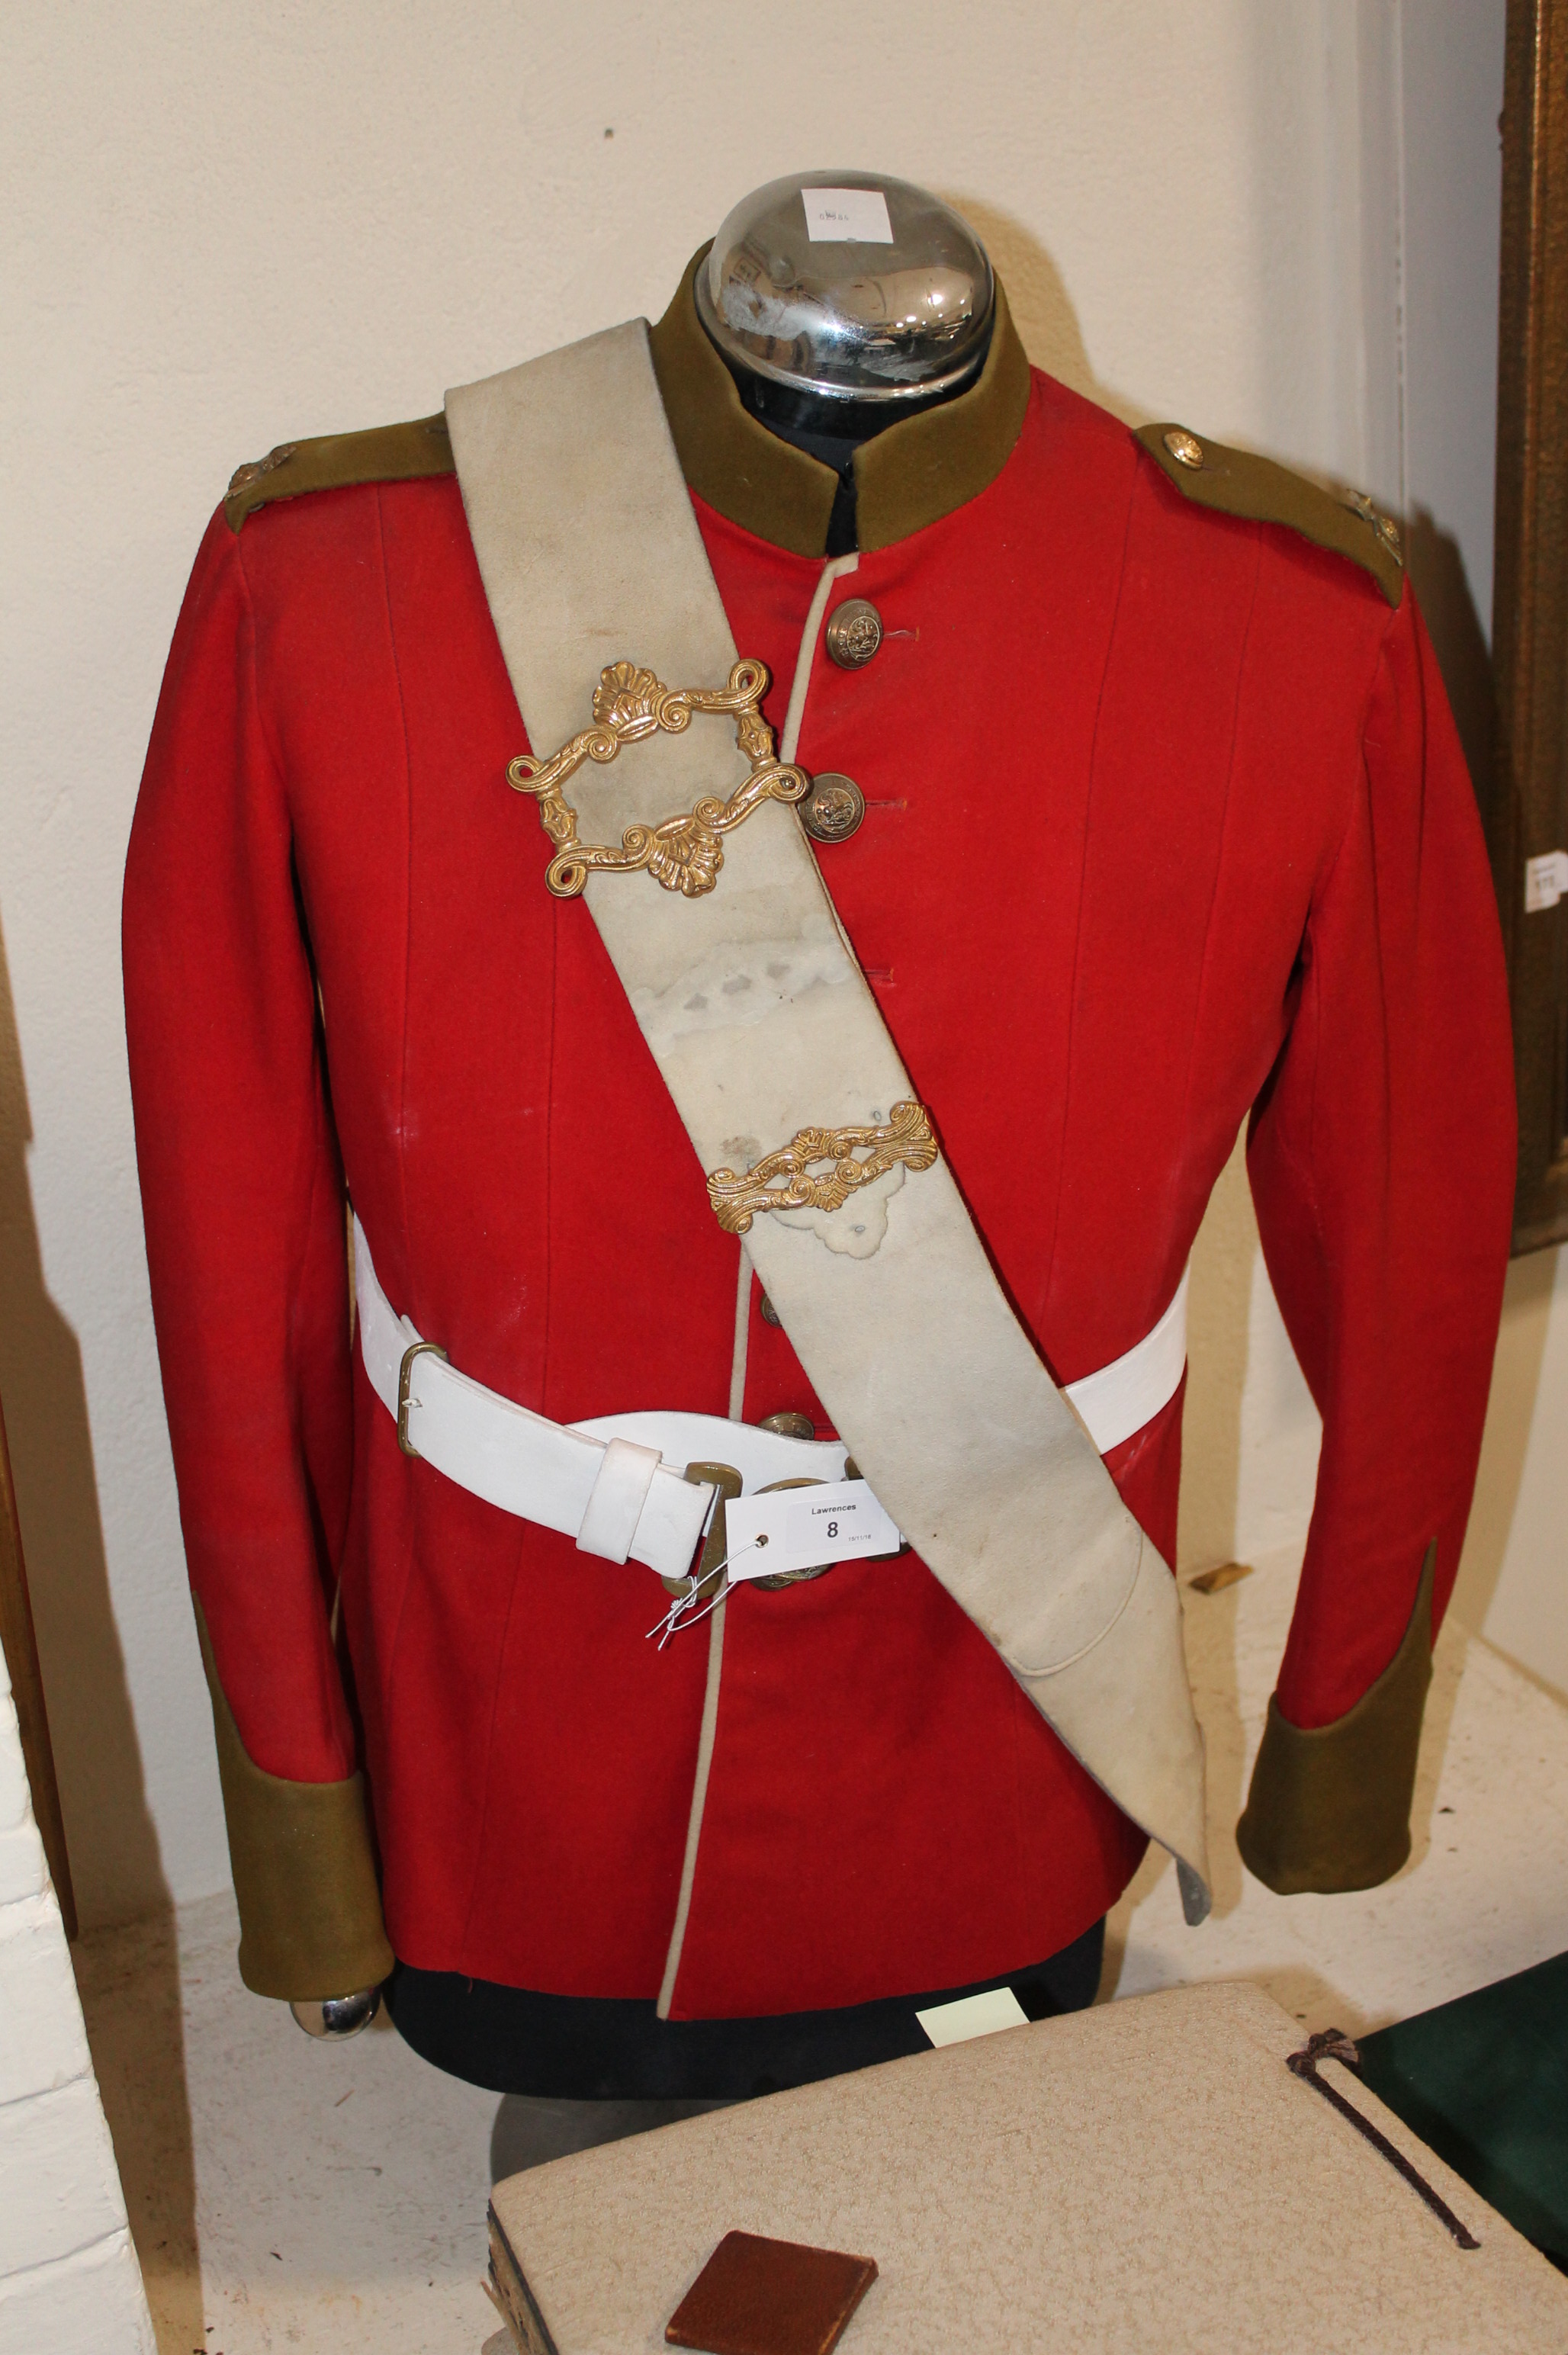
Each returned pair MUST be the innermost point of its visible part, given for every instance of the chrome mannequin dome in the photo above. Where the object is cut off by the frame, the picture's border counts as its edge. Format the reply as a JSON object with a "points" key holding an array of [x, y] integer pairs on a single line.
{"points": [[814, 293]]}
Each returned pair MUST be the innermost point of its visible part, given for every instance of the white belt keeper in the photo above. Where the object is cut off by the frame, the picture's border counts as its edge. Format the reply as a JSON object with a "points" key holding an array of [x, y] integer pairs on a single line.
{"points": [[616, 1499]]}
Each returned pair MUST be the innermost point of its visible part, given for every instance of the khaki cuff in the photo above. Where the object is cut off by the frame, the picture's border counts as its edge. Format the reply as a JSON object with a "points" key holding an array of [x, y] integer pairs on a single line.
{"points": [[305, 1872], [1329, 1805]]}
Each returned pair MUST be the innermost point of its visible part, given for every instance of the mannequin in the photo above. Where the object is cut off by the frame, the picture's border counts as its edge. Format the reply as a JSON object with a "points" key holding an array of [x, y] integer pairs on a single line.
{"points": [[1144, 817], [831, 341]]}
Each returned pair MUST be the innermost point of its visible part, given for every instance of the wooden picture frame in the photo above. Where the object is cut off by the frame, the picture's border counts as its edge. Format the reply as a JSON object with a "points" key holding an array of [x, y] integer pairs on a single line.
{"points": [[1529, 817]]}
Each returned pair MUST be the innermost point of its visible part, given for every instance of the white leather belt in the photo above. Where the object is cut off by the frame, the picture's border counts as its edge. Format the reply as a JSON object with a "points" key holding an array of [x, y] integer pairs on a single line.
{"points": [[616, 1485]]}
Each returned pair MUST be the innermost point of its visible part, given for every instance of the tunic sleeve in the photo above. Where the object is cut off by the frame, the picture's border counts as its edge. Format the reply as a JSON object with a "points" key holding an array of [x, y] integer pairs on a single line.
{"points": [[243, 1204], [1382, 1159]]}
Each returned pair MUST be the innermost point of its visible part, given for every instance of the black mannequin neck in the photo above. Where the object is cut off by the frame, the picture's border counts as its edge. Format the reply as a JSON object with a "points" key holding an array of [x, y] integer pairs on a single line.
{"points": [[831, 430]]}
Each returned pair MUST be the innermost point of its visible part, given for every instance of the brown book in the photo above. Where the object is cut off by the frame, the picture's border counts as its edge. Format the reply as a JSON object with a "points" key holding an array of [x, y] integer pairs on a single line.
{"points": [[757, 2296]]}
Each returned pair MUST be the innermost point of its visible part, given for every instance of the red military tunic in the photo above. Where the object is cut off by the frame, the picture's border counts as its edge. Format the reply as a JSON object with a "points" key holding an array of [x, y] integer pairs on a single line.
{"points": [[1167, 824]]}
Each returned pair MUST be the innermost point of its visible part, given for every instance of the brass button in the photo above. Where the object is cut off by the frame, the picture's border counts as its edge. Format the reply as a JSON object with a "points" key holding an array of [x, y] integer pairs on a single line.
{"points": [[1185, 448], [853, 633], [770, 1314], [834, 807], [790, 1425], [243, 477]]}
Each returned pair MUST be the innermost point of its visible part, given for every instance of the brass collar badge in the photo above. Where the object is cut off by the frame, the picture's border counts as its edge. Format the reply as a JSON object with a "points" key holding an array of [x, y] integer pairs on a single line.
{"points": [[783, 1181], [683, 853], [1384, 526]]}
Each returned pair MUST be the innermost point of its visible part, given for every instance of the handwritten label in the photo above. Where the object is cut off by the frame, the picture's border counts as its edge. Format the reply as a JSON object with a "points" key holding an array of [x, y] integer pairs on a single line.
{"points": [[846, 214], [796, 1529], [1545, 881]]}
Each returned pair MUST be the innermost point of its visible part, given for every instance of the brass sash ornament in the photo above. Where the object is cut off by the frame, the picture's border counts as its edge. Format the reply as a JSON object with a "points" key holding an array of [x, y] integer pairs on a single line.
{"points": [[683, 853], [783, 1181]]}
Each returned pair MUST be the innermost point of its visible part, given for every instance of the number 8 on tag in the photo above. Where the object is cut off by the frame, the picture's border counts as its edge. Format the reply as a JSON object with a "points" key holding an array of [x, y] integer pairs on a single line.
{"points": [[796, 1529]]}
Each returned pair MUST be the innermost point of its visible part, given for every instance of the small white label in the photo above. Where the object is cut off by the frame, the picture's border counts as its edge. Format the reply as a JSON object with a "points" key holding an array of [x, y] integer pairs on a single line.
{"points": [[846, 214], [796, 1529], [1545, 881], [973, 2015]]}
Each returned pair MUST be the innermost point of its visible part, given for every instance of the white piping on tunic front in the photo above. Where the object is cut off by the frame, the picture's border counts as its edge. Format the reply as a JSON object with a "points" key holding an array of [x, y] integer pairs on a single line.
{"points": [[800, 686], [794, 715], [743, 1334]]}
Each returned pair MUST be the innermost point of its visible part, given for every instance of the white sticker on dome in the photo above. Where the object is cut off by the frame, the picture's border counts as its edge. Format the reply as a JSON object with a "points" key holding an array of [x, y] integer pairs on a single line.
{"points": [[860, 213]]}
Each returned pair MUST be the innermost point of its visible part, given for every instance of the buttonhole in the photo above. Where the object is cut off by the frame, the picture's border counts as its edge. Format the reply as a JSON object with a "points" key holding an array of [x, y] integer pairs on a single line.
{"points": [[887, 802], [878, 971]]}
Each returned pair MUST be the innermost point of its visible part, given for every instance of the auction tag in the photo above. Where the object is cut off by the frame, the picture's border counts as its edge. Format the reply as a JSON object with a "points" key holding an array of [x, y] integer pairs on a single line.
{"points": [[796, 1529], [860, 213], [1545, 880]]}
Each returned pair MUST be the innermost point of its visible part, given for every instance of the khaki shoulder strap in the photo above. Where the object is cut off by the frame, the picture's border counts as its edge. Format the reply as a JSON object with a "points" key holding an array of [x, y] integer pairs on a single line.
{"points": [[1235, 483], [765, 1030], [334, 461]]}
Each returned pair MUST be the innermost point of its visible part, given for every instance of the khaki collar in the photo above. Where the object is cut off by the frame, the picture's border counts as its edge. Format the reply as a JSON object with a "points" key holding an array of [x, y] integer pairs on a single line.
{"points": [[906, 477]]}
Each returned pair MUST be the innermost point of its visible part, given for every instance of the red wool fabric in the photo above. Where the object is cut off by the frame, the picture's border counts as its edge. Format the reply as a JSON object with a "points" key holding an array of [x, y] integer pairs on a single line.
{"points": [[1167, 824]]}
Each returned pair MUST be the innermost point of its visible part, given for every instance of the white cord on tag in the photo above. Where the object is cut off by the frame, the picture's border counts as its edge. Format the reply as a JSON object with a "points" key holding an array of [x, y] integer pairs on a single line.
{"points": [[673, 1622]]}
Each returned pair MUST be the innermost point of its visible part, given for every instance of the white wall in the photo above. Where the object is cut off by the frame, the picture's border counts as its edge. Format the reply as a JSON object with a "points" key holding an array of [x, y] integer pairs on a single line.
{"points": [[233, 225], [68, 2277]]}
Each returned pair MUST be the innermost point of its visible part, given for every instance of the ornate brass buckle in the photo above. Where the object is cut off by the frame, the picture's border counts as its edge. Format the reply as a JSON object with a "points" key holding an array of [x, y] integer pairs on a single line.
{"points": [[405, 1375], [736, 1195], [683, 853], [775, 1579], [703, 1583]]}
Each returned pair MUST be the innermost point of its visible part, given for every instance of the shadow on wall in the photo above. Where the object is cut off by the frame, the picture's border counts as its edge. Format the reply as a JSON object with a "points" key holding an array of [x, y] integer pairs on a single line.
{"points": [[1436, 572], [1510, 1411], [1037, 297], [109, 1833], [129, 1981]]}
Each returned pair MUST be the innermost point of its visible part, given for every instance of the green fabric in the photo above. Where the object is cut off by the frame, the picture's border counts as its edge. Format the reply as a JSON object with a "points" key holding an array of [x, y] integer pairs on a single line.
{"points": [[336, 462], [907, 476], [1330, 1805], [304, 1871], [1484, 2082], [1235, 483]]}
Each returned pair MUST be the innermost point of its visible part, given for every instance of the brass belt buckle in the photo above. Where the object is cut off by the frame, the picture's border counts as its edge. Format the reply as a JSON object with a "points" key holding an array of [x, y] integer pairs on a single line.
{"points": [[703, 1583], [405, 1375], [704, 1579], [683, 853], [794, 1577]]}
